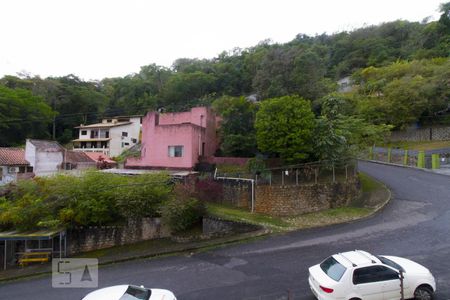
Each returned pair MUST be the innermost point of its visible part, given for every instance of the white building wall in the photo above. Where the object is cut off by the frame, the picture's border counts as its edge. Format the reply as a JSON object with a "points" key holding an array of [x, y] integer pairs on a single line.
{"points": [[48, 163], [30, 154], [6, 177], [118, 142]]}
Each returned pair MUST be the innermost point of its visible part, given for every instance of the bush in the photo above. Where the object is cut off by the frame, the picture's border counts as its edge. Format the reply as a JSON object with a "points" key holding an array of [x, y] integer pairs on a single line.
{"points": [[209, 190], [182, 211], [93, 199]]}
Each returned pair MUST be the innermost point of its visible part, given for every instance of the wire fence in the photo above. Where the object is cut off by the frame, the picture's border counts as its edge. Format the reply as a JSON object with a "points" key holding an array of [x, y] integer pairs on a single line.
{"points": [[308, 173]]}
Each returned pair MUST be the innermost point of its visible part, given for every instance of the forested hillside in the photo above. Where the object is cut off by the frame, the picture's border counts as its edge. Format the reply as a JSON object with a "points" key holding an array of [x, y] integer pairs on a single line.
{"points": [[401, 68]]}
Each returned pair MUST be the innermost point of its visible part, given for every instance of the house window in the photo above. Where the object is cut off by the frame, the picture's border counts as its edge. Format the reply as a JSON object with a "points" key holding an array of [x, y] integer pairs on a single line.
{"points": [[104, 144], [83, 144], [125, 134], [109, 120], [83, 132], [93, 144], [107, 134], [175, 151], [134, 141]]}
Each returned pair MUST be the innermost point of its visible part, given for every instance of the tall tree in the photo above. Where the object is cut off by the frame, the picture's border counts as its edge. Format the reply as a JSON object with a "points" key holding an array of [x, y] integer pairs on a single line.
{"points": [[284, 127], [22, 116], [237, 132]]}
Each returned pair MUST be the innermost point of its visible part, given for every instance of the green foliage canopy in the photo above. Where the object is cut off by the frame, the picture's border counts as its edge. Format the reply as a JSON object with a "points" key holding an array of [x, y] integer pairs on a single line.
{"points": [[284, 127]]}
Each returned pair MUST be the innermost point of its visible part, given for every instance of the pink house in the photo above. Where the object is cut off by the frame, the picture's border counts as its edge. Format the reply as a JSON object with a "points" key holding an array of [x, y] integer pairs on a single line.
{"points": [[176, 140]]}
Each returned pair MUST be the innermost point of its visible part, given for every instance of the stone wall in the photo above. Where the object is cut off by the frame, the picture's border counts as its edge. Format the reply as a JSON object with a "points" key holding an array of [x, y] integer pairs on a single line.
{"points": [[291, 200], [217, 226], [238, 195], [422, 134], [84, 239]]}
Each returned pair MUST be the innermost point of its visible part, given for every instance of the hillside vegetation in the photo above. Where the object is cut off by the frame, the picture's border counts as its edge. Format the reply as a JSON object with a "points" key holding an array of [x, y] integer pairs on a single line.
{"points": [[401, 67]]}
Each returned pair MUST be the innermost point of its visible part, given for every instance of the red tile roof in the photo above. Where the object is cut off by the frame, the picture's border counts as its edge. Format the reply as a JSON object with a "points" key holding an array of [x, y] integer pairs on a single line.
{"points": [[97, 156], [12, 157]]}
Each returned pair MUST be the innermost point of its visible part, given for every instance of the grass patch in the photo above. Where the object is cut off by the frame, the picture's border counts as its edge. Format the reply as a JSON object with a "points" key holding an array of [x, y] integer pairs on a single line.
{"points": [[236, 214], [419, 145], [328, 217]]}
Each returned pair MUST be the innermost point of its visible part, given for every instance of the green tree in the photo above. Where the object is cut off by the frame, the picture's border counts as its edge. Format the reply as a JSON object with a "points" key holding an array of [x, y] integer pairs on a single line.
{"points": [[237, 132], [284, 127], [22, 116]]}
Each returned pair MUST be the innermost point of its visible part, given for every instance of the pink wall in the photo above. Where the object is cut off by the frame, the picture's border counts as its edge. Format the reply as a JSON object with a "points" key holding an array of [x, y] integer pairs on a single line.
{"points": [[187, 129]]}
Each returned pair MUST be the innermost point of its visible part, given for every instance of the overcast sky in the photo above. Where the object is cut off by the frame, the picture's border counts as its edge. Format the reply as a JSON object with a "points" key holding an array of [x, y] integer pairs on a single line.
{"points": [[94, 39]]}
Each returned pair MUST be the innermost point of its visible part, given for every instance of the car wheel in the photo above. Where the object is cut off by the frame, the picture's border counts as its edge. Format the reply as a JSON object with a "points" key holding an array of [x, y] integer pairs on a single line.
{"points": [[423, 293]]}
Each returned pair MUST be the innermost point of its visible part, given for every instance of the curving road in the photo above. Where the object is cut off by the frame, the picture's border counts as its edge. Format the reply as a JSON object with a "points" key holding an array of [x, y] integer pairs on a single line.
{"points": [[415, 224]]}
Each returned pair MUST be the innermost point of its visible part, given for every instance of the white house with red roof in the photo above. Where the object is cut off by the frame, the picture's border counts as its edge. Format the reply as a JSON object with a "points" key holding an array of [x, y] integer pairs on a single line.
{"points": [[13, 165]]}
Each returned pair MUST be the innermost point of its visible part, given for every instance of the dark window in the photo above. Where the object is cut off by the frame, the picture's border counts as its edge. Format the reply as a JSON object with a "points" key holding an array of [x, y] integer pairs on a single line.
{"points": [[333, 268], [104, 144], [134, 141], [109, 120], [22, 169], [29, 169], [124, 133], [107, 134], [136, 293], [373, 274], [175, 151], [83, 132], [93, 144], [127, 144], [83, 144], [390, 263]]}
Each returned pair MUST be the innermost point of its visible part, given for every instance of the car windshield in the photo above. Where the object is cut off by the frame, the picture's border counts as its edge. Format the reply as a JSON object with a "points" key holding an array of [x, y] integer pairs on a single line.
{"points": [[136, 293], [333, 268], [390, 263]]}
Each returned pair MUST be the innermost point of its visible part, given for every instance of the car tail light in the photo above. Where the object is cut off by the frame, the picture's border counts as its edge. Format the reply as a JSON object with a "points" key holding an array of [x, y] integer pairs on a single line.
{"points": [[326, 290]]}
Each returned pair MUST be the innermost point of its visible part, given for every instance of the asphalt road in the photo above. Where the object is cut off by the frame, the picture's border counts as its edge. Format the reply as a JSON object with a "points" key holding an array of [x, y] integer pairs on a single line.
{"points": [[415, 224]]}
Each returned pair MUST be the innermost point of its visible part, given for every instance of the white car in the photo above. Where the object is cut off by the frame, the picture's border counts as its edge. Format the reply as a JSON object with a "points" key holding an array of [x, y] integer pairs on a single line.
{"points": [[361, 275], [129, 292]]}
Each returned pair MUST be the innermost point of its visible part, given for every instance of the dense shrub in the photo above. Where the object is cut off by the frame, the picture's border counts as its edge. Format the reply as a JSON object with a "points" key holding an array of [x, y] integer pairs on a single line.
{"points": [[93, 199], [182, 211], [209, 190]]}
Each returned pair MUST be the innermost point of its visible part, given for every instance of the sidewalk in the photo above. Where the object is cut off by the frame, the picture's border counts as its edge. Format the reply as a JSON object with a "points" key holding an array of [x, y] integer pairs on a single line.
{"points": [[145, 249]]}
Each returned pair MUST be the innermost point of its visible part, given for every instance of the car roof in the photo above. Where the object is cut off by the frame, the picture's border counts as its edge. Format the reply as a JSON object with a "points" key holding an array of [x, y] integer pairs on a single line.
{"points": [[356, 258]]}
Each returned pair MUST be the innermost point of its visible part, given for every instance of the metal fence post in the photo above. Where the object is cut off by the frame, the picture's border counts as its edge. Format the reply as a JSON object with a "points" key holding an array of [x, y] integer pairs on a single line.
{"points": [[435, 163], [421, 159], [282, 177]]}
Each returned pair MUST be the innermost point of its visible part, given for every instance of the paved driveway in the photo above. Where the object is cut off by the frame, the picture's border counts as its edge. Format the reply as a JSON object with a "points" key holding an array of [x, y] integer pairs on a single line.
{"points": [[416, 224]]}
